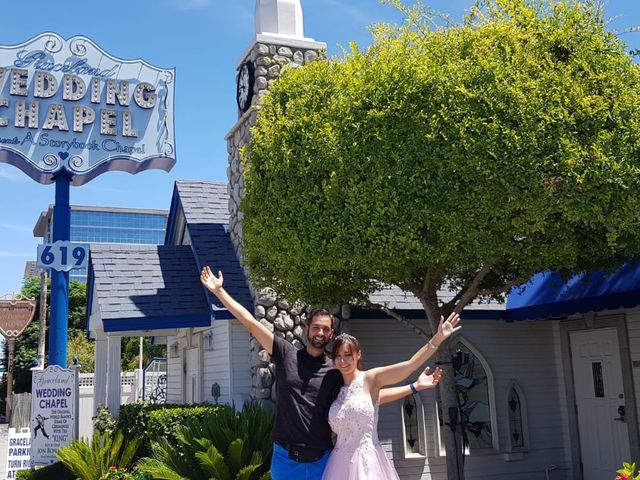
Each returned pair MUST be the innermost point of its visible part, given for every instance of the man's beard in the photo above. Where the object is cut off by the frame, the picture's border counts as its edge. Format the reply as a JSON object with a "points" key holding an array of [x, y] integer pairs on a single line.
{"points": [[318, 343]]}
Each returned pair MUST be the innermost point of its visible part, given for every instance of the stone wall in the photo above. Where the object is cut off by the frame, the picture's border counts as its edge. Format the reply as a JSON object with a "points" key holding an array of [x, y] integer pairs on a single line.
{"points": [[287, 322]]}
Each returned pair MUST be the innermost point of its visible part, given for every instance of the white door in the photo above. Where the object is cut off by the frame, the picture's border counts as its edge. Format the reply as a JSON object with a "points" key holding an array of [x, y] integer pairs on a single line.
{"points": [[597, 375], [192, 385]]}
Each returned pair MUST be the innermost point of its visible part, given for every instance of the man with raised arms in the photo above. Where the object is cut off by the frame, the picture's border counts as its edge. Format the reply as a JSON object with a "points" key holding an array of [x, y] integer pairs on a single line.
{"points": [[306, 385]]}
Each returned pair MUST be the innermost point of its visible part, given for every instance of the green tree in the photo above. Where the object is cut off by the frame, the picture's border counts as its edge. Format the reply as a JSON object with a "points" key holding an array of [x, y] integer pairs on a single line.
{"points": [[81, 348], [25, 355], [465, 157], [131, 352], [26, 349]]}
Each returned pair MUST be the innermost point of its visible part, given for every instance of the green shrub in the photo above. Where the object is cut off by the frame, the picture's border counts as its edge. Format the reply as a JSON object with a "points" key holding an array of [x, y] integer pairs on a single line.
{"points": [[225, 446], [123, 474], [628, 472], [90, 461], [104, 421], [150, 422], [56, 470]]}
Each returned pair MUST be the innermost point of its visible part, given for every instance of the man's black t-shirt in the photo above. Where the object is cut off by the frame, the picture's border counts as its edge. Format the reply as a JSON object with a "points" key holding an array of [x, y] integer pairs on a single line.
{"points": [[306, 386]]}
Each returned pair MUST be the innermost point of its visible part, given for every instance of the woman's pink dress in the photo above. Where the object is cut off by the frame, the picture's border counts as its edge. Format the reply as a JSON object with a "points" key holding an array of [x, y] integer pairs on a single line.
{"points": [[358, 454]]}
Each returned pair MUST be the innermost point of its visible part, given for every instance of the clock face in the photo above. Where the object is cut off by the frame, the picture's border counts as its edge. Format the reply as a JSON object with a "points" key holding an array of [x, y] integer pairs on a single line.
{"points": [[244, 87]]}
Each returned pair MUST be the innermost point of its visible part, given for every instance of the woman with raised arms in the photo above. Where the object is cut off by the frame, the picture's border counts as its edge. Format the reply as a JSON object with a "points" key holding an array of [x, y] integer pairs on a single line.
{"points": [[353, 416]]}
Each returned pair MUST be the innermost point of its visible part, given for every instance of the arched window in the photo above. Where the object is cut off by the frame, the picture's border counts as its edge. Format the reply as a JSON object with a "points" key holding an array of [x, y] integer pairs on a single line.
{"points": [[476, 400], [517, 415], [413, 427]]}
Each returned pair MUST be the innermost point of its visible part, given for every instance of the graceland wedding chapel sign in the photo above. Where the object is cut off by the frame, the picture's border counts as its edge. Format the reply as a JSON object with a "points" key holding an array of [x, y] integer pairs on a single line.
{"points": [[66, 104], [54, 412], [68, 113]]}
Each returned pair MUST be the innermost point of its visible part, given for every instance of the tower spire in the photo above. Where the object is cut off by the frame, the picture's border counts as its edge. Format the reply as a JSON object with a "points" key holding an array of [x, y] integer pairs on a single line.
{"points": [[279, 18]]}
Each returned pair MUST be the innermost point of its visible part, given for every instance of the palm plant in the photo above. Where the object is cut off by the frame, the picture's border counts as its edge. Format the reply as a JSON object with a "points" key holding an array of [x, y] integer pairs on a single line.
{"points": [[227, 446], [91, 460]]}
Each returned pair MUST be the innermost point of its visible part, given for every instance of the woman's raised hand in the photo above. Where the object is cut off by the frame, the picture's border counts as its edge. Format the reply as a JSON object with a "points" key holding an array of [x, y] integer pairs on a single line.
{"points": [[448, 327], [426, 380]]}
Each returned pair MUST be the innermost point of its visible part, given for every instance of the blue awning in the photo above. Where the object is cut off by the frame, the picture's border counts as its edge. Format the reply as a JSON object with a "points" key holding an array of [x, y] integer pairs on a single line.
{"points": [[547, 295]]}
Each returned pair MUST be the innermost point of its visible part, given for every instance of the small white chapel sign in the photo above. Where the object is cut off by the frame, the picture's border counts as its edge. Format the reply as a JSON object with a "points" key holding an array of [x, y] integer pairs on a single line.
{"points": [[53, 412]]}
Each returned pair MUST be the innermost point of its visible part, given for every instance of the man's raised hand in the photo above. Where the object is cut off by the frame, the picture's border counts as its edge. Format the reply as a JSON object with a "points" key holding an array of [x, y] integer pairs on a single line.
{"points": [[210, 281]]}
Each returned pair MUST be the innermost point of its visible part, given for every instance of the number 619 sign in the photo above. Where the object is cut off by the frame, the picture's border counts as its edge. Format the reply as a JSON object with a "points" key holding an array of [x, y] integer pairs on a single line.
{"points": [[63, 256]]}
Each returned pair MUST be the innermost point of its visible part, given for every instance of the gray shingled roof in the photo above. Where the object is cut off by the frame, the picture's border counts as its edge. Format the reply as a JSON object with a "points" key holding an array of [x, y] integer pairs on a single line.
{"points": [[205, 206], [204, 202], [159, 285], [212, 246], [395, 298], [136, 281]]}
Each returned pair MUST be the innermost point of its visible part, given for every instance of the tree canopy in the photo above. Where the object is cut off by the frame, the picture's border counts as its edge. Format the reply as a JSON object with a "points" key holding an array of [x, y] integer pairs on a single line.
{"points": [[465, 157], [26, 347], [471, 155]]}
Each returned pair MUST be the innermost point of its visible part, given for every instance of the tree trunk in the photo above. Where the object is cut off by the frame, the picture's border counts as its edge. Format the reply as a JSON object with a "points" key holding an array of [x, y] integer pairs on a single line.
{"points": [[450, 415], [453, 439]]}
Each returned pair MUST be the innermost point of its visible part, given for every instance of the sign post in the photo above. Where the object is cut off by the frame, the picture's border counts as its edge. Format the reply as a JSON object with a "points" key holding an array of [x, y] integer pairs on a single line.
{"points": [[69, 112], [60, 279], [15, 314]]}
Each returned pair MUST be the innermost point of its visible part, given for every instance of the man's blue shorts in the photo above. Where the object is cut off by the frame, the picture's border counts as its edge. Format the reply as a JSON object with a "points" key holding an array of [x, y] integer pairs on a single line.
{"points": [[285, 468]]}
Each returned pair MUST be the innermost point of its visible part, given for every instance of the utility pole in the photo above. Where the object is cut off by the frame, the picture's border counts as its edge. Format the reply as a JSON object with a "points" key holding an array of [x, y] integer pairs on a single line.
{"points": [[43, 316]]}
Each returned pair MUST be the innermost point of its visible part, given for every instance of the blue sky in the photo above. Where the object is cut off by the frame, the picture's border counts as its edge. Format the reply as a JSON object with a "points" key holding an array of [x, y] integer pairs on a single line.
{"points": [[203, 40]]}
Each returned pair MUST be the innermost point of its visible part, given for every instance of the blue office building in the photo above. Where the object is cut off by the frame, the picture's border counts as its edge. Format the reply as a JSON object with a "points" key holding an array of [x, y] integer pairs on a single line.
{"points": [[107, 225]]}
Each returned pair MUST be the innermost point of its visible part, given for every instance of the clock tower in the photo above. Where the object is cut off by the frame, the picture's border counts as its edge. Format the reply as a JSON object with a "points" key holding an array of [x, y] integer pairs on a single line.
{"points": [[279, 41]]}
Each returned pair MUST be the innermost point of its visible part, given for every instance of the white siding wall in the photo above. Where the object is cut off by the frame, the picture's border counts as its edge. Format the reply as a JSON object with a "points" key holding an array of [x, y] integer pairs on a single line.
{"points": [[240, 362], [230, 354], [527, 352], [174, 373], [633, 328], [176, 366], [562, 392], [228, 363], [216, 363]]}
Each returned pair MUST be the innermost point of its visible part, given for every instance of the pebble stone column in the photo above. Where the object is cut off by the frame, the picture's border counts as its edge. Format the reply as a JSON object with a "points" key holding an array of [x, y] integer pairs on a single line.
{"points": [[268, 61], [285, 320]]}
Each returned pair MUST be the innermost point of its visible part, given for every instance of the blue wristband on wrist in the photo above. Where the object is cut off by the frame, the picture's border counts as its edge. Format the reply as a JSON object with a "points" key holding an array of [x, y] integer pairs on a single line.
{"points": [[414, 390]]}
